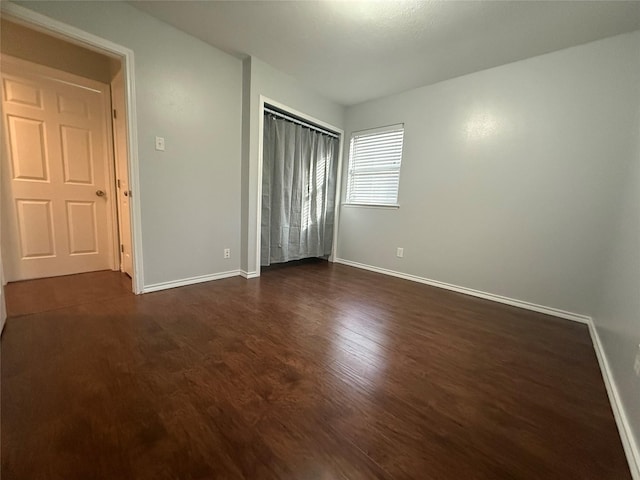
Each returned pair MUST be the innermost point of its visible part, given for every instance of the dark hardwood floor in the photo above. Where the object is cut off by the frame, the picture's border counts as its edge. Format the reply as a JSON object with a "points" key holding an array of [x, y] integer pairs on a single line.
{"points": [[43, 295], [313, 372]]}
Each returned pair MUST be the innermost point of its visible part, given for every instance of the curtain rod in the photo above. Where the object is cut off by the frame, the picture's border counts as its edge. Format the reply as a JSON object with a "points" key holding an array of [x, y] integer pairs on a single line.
{"points": [[300, 122]]}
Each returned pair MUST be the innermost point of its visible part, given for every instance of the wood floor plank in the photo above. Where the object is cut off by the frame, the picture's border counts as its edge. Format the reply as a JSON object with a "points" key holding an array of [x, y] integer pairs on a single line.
{"points": [[315, 371]]}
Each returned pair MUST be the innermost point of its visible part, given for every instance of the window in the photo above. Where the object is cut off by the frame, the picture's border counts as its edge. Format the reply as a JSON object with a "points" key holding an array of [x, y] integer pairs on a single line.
{"points": [[374, 166]]}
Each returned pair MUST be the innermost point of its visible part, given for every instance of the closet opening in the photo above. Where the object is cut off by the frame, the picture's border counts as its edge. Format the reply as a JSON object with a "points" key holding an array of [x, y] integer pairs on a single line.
{"points": [[300, 188]]}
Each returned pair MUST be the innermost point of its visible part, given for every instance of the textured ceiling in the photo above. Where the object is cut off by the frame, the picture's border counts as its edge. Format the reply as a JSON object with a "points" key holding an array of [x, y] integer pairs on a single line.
{"points": [[353, 51]]}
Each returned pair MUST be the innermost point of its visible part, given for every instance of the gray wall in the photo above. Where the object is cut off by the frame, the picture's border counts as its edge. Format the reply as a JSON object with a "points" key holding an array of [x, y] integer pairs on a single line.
{"points": [[617, 314], [262, 79], [27, 44], [191, 94], [507, 176]]}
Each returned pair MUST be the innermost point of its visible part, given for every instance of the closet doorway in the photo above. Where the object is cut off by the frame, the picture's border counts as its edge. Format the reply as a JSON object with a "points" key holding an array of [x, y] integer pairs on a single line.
{"points": [[300, 187]]}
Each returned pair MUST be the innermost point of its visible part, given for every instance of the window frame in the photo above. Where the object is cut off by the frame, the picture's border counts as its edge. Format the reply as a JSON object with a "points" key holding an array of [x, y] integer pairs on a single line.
{"points": [[350, 170]]}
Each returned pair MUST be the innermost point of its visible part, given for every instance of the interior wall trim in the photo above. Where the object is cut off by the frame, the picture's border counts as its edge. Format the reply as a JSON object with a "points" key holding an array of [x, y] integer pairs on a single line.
{"points": [[576, 317], [190, 281], [629, 443], [249, 275]]}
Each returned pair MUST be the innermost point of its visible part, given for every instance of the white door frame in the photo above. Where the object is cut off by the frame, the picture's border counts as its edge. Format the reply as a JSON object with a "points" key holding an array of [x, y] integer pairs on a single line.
{"points": [[319, 123], [61, 30]]}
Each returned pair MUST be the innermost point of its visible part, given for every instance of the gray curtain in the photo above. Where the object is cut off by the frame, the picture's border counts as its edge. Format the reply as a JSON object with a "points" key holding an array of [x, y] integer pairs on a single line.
{"points": [[300, 166]]}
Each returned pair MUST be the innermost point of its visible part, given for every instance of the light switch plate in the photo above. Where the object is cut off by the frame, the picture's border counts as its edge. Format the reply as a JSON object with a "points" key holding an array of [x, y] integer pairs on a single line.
{"points": [[160, 143]]}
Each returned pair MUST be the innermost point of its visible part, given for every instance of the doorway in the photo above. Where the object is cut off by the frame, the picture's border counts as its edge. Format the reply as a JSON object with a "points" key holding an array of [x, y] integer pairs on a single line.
{"points": [[66, 196], [300, 167], [311, 208]]}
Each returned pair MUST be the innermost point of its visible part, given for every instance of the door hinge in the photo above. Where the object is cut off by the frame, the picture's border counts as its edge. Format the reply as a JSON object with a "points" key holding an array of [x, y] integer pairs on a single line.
{"points": [[121, 248], [115, 113], [118, 183]]}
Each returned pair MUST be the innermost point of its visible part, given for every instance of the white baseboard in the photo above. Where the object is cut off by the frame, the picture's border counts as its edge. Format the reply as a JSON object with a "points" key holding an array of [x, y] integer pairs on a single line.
{"points": [[249, 275], [622, 421], [576, 317], [3, 310], [189, 281]]}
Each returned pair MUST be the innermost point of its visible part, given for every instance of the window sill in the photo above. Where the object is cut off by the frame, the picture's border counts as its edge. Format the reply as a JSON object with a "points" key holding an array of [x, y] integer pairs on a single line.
{"points": [[371, 205]]}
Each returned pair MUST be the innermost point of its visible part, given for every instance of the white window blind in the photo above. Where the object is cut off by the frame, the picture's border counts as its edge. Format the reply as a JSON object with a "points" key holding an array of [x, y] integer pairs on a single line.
{"points": [[374, 166]]}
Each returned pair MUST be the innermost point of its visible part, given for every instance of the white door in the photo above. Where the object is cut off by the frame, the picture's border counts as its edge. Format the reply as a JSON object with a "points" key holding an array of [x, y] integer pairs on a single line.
{"points": [[56, 174], [122, 172]]}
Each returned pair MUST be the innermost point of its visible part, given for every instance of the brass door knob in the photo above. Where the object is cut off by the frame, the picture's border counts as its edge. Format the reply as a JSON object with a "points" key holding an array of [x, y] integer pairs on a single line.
{"points": [[100, 193]]}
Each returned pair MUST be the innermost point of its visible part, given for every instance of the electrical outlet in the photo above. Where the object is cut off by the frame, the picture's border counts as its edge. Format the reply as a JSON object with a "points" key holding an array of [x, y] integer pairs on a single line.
{"points": [[636, 364], [227, 253], [160, 144], [400, 252]]}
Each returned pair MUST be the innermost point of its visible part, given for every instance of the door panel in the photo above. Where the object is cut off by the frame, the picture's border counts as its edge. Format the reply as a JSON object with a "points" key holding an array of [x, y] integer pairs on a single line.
{"points": [[27, 144], [59, 158], [83, 234], [35, 227], [22, 93], [73, 106], [77, 155]]}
